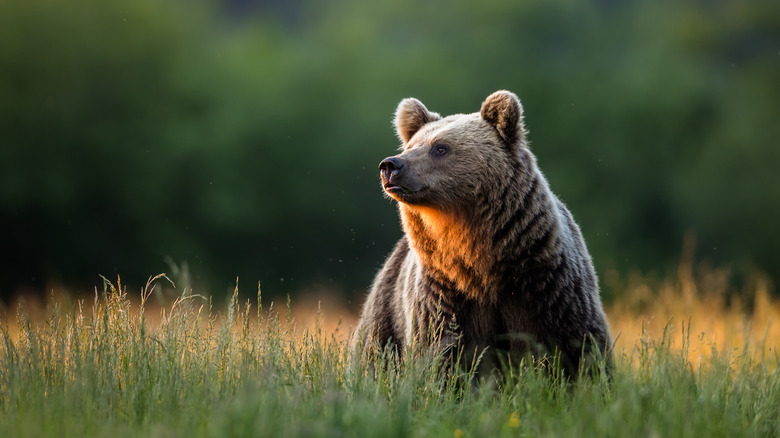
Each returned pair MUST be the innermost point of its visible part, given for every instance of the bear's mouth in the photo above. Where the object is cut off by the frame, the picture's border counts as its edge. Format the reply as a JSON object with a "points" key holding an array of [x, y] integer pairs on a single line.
{"points": [[394, 189], [401, 193]]}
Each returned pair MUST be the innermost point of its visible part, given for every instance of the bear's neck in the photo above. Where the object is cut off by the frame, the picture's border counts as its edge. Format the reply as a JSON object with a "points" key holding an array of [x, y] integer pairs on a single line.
{"points": [[481, 254]]}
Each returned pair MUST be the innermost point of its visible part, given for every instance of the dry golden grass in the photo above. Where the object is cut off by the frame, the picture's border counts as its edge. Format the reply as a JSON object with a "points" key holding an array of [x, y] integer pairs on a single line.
{"points": [[697, 312]]}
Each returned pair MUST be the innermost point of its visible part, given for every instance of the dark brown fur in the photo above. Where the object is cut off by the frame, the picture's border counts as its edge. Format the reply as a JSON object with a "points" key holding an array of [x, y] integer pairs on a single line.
{"points": [[487, 245]]}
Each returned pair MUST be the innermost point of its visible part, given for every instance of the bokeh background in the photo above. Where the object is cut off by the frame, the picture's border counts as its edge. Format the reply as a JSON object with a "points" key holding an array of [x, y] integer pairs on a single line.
{"points": [[241, 138]]}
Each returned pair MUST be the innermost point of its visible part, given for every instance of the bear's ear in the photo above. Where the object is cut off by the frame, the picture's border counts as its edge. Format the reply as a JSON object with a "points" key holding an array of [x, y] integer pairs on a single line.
{"points": [[503, 111], [410, 116]]}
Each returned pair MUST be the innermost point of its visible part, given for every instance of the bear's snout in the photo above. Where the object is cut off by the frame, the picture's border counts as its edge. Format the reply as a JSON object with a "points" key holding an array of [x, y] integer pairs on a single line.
{"points": [[389, 169], [392, 178], [390, 166]]}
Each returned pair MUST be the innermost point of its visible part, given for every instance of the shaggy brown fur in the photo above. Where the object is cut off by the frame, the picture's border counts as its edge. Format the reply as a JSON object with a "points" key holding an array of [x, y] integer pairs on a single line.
{"points": [[487, 245]]}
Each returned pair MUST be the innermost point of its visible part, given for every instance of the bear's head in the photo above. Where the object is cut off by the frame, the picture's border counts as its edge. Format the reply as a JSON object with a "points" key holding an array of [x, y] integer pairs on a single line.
{"points": [[451, 164]]}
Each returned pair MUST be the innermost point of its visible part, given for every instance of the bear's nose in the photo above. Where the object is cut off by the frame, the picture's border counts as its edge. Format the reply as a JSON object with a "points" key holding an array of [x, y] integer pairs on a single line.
{"points": [[391, 166]]}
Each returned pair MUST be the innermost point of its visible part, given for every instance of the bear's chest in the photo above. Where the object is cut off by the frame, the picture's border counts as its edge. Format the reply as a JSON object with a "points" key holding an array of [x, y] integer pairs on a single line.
{"points": [[488, 325]]}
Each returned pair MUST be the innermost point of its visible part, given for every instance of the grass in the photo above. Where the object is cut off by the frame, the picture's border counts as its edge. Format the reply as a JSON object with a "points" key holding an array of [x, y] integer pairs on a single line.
{"points": [[101, 368]]}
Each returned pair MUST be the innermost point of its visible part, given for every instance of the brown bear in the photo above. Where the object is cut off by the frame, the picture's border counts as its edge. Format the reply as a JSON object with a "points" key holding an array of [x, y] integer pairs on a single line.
{"points": [[488, 249]]}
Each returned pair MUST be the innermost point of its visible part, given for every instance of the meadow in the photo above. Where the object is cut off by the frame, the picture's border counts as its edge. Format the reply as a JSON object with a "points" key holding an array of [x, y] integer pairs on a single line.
{"points": [[690, 360]]}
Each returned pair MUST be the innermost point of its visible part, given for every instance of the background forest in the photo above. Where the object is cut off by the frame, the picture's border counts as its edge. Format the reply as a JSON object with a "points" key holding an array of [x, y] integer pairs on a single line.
{"points": [[242, 138]]}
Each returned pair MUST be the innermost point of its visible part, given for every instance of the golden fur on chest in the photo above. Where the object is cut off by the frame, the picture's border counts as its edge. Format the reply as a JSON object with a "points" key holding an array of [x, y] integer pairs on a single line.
{"points": [[450, 250]]}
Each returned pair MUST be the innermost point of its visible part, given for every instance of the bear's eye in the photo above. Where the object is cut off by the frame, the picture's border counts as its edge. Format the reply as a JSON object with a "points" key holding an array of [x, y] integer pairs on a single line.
{"points": [[439, 149]]}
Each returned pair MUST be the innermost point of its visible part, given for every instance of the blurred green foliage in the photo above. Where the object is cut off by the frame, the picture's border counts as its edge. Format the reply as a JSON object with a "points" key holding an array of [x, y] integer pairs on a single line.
{"points": [[246, 145]]}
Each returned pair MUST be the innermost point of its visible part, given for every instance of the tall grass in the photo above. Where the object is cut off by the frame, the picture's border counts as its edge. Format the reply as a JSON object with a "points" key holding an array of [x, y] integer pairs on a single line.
{"points": [[101, 368]]}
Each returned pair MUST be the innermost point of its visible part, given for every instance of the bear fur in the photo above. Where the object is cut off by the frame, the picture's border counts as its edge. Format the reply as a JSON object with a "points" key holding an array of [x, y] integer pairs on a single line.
{"points": [[488, 251]]}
